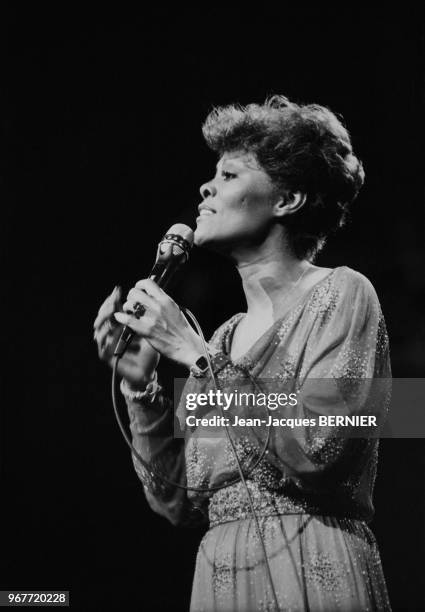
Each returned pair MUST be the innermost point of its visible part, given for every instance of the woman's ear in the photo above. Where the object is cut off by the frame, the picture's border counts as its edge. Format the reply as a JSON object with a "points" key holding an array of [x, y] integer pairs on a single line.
{"points": [[289, 202]]}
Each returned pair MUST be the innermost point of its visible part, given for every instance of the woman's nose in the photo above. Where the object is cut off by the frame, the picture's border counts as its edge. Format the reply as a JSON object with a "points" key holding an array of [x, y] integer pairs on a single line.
{"points": [[208, 190]]}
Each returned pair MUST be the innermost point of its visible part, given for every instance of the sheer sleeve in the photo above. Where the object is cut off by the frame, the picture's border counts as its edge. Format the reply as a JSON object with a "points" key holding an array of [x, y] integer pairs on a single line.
{"points": [[151, 425], [345, 371]]}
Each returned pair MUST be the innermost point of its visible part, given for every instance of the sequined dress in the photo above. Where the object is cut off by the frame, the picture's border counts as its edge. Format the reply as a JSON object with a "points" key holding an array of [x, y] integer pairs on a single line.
{"points": [[312, 494]]}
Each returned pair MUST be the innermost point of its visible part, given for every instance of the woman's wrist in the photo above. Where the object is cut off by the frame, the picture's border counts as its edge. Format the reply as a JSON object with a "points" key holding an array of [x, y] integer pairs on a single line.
{"points": [[140, 385], [192, 354], [147, 392]]}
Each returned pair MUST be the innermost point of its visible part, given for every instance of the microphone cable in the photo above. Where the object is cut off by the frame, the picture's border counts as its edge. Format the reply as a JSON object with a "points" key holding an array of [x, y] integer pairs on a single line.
{"points": [[241, 478]]}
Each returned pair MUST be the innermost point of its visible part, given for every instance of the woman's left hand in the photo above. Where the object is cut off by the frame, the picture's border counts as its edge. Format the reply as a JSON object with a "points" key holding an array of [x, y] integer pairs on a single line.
{"points": [[163, 323]]}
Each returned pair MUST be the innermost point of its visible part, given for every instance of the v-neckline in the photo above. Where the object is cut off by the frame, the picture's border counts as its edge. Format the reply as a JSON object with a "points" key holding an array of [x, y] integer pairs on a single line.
{"points": [[237, 318]]}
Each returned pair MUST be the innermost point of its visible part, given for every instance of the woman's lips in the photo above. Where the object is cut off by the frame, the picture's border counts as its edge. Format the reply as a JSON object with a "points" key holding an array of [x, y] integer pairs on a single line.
{"points": [[205, 212]]}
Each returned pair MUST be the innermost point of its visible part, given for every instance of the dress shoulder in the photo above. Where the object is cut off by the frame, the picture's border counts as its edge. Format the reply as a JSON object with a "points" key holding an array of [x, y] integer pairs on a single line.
{"points": [[355, 281], [353, 290], [348, 335]]}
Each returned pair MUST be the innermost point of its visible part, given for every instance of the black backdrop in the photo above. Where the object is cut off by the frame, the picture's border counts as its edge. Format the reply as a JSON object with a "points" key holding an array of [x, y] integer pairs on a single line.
{"points": [[101, 152]]}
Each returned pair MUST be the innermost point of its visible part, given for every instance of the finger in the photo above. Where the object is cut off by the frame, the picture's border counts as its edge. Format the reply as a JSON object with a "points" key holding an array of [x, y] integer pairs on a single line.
{"points": [[102, 342], [152, 289], [134, 308], [105, 320], [107, 341], [129, 320], [129, 307], [106, 350], [105, 311], [109, 306], [103, 331], [108, 327], [136, 295]]}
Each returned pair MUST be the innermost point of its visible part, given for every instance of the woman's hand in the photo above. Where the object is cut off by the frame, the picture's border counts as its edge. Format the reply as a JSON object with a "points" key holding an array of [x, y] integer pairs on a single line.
{"points": [[163, 325], [140, 360]]}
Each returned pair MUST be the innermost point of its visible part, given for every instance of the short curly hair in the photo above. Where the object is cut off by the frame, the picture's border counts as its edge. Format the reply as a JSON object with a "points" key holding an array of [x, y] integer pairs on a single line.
{"points": [[302, 148]]}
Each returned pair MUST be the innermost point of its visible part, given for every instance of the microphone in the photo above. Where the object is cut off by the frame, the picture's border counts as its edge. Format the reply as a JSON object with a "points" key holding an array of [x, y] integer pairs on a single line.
{"points": [[172, 253]]}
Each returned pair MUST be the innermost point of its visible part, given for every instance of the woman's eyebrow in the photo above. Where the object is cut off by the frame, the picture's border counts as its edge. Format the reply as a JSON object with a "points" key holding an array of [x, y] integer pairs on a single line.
{"points": [[231, 162]]}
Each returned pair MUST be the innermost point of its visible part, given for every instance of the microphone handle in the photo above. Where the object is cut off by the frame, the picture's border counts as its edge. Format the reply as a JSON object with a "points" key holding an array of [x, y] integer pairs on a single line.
{"points": [[161, 274]]}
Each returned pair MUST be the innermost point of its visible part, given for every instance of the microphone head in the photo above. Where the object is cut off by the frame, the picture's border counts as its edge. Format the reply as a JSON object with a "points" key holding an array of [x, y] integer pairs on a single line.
{"points": [[182, 230], [176, 243]]}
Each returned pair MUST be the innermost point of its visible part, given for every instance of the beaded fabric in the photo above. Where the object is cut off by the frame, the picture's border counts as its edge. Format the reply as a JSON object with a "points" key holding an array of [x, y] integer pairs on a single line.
{"points": [[312, 491]]}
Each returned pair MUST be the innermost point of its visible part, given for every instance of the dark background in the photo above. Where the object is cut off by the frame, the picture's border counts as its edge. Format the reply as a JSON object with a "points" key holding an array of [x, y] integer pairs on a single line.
{"points": [[101, 152]]}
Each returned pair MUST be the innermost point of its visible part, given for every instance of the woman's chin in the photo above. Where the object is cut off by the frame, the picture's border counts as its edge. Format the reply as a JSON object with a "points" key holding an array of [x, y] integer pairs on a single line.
{"points": [[201, 237], [211, 244], [214, 240]]}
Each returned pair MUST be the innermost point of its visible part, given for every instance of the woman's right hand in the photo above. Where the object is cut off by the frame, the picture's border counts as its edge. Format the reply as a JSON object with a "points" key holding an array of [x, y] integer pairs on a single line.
{"points": [[140, 360]]}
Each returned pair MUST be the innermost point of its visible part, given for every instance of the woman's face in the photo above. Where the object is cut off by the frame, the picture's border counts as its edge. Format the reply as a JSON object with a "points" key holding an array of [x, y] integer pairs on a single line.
{"points": [[237, 207]]}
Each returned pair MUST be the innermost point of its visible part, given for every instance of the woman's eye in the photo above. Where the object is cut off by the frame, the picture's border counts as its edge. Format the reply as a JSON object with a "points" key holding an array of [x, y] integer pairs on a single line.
{"points": [[227, 175]]}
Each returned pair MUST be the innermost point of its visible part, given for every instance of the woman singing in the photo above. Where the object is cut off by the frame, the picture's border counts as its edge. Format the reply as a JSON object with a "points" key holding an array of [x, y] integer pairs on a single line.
{"points": [[285, 177]]}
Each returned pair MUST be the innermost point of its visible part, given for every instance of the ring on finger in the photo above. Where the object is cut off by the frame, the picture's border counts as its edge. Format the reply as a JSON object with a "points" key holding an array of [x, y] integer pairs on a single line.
{"points": [[138, 310]]}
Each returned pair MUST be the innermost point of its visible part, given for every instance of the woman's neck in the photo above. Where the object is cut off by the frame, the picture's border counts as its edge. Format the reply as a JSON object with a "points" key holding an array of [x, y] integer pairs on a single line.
{"points": [[268, 274]]}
